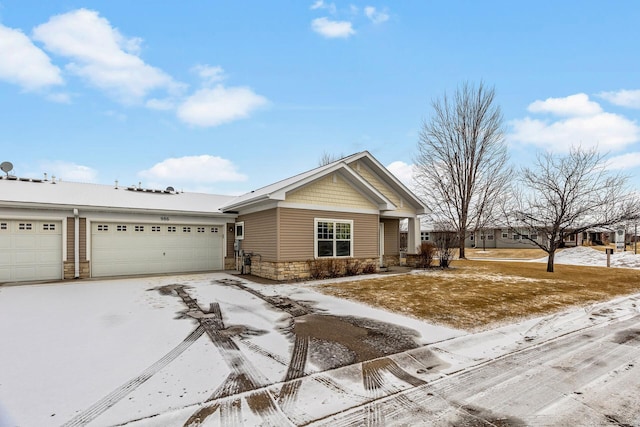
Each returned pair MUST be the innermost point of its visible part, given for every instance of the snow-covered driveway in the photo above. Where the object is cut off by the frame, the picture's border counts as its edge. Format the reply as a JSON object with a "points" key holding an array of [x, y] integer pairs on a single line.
{"points": [[214, 349]]}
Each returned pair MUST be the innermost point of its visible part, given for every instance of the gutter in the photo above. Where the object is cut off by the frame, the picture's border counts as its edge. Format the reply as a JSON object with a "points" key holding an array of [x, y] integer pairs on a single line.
{"points": [[76, 244]]}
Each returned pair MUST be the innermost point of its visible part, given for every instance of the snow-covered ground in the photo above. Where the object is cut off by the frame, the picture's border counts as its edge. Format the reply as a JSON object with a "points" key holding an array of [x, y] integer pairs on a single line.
{"points": [[584, 255], [214, 349]]}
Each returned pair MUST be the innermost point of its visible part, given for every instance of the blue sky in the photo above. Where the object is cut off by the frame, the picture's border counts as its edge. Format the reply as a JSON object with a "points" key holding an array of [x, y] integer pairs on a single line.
{"points": [[225, 97]]}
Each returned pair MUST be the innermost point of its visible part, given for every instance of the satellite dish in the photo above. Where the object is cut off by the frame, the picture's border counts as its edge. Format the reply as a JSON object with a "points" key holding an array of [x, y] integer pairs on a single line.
{"points": [[6, 167], [170, 189]]}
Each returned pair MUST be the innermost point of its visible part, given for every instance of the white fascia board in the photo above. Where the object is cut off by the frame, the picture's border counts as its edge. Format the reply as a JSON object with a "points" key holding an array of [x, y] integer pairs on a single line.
{"points": [[306, 206], [397, 185], [367, 189]]}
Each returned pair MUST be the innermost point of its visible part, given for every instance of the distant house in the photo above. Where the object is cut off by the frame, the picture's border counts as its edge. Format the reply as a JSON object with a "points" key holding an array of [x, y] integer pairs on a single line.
{"points": [[502, 238], [347, 210]]}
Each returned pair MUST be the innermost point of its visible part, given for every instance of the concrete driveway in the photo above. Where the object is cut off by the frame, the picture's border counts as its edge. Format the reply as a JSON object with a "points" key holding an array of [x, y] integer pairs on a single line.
{"points": [[215, 349]]}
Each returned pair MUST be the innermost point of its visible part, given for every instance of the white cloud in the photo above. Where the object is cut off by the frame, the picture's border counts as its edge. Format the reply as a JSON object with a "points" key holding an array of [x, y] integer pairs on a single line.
{"points": [[320, 4], [332, 29], [218, 105], [582, 122], [375, 16], [193, 171], [25, 64], [103, 56], [160, 104], [68, 171], [209, 74], [624, 161], [623, 98], [404, 172], [60, 97], [573, 105]]}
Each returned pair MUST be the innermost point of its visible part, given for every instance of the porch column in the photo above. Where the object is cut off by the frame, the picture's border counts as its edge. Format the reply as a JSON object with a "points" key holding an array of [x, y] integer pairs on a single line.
{"points": [[413, 235]]}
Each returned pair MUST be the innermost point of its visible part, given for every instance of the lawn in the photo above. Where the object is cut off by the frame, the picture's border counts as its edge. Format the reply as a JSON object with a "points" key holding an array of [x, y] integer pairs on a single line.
{"points": [[476, 295]]}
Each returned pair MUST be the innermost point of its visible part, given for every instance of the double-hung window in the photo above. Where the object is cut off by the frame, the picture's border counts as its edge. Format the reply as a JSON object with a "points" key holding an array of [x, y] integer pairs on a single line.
{"points": [[333, 238]]}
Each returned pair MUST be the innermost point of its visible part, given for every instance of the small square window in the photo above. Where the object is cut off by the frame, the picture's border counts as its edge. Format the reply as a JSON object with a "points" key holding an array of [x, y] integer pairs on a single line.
{"points": [[103, 227], [49, 227], [534, 237], [505, 235], [186, 229], [139, 228], [171, 229], [121, 228], [489, 236], [515, 236], [3, 226], [200, 229], [155, 228], [25, 226], [214, 229], [239, 230]]}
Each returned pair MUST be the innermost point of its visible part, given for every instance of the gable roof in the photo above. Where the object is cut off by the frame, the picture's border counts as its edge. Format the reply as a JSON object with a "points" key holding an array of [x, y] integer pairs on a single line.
{"points": [[61, 194], [277, 191]]}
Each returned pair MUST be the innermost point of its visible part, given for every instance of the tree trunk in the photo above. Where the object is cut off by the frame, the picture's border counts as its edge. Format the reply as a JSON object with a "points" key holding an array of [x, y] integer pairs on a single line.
{"points": [[461, 247], [552, 254]]}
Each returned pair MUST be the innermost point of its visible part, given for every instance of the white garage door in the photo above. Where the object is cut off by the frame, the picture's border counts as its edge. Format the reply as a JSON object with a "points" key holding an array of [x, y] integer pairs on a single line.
{"points": [[126, 248], [30, 250]]}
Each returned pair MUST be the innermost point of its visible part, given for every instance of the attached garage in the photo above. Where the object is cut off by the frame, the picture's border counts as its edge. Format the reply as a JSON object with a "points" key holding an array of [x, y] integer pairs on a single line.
{"points": [[119, 248], [30, 250]]}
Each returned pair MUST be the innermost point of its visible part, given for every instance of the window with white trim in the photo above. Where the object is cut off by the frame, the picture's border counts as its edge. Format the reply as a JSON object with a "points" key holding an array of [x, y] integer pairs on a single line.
{"points": [[121, 228], [155, 228], [240, 230], [333, 238], [489, 236], [186, 229], [214, 229], [505, 234], [424, 236], [200, 229], [171, 229], [103, 227], [139, 228], [25, 226], [48, 227], [3, 226]]}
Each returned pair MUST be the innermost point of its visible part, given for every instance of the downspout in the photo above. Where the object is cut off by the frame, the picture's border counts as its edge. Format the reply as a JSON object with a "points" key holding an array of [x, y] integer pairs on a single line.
{"points": [[76, 244]]}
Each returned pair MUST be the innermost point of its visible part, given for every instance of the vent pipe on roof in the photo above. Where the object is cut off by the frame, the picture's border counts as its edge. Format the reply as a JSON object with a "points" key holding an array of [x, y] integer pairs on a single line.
{"points": [[116, 184], [45, 176]]}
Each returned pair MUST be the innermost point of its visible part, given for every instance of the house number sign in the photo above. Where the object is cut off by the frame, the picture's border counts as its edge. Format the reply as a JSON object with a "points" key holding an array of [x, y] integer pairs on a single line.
{"points": [[164, 218]]}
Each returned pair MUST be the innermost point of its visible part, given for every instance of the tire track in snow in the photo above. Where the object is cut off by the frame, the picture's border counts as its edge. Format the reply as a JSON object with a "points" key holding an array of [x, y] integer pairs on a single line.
{"points": [[118, 394]]}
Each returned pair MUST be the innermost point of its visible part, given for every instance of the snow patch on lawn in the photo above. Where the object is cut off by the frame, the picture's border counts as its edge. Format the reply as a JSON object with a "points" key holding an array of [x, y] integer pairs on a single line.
{"points": [[582, 255]]}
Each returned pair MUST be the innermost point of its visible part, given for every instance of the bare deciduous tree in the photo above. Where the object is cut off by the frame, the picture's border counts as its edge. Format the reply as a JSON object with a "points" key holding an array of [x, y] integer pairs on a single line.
{"points": [[327, 158], [462, 162], [563, 195]]}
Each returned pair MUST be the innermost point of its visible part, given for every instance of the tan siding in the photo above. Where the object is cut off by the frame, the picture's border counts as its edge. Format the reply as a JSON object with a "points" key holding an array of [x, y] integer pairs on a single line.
{"points": [[331, 190], [260, 234], [70, 232], [83, 239], [391, 236], [297, 233], [231, 237], [379, 185]]}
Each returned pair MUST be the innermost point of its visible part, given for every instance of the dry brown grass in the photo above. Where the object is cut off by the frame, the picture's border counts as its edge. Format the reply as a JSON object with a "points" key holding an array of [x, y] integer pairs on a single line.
{"points": [[475, 295], [523, 253]]}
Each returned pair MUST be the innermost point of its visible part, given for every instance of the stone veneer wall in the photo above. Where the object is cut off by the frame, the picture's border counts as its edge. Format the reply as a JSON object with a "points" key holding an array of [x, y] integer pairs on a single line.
{"points": [[291, 270], [70, 271], [391, 260]]}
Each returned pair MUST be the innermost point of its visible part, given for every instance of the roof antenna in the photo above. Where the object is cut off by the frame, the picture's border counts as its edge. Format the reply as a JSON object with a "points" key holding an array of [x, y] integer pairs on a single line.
{"points": [[6, 167]]}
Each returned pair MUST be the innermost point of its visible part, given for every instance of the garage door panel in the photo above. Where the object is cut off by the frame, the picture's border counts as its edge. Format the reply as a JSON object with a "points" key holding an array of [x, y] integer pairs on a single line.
{"points": [[152, 248], [30, 250]]}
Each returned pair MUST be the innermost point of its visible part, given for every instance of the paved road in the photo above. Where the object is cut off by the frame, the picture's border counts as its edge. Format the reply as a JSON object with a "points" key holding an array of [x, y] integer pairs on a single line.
{"points": [[589, 377]]}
